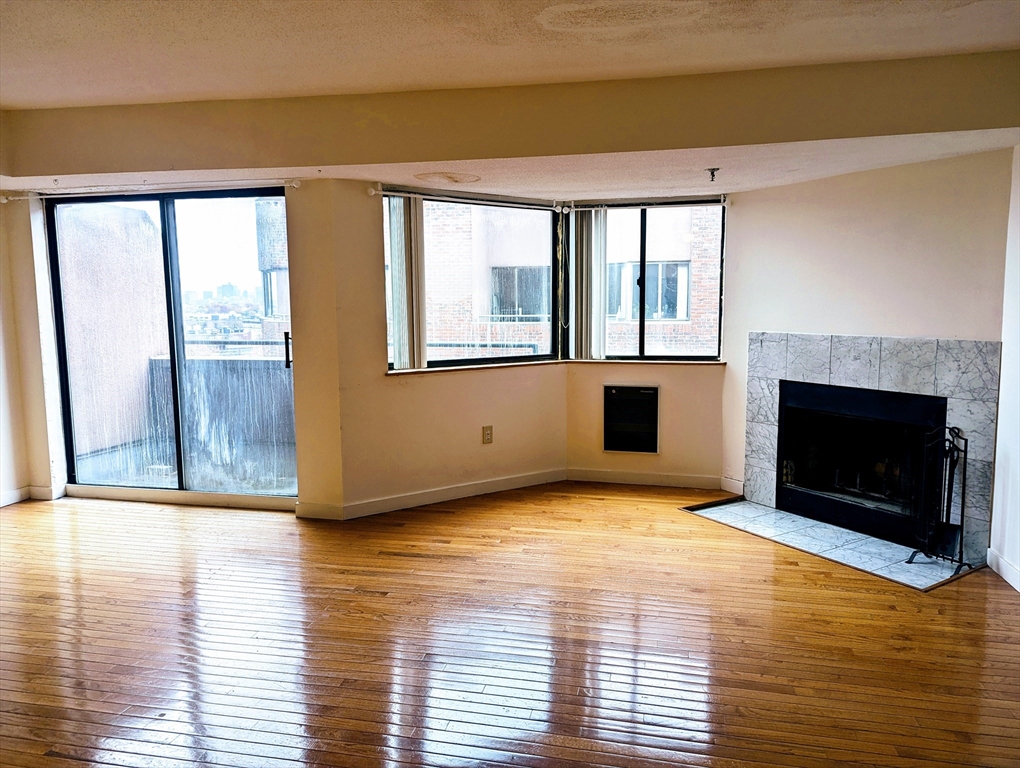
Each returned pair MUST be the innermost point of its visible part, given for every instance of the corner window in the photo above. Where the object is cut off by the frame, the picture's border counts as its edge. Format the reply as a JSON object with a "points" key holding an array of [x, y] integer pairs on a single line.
{"points": [[473, 281]]}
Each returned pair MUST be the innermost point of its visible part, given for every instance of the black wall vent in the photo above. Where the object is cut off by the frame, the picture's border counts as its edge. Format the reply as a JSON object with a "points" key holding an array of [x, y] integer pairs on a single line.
{"points": [[631, 421]]}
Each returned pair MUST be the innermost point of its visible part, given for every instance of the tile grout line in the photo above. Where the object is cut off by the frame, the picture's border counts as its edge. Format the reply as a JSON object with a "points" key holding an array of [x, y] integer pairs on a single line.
{"points": [[830, 359], [935, 374], [881, 345]]}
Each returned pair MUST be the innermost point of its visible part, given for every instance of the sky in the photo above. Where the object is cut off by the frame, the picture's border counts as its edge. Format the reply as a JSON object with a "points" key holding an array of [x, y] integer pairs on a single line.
{"points": [[216, 241]]}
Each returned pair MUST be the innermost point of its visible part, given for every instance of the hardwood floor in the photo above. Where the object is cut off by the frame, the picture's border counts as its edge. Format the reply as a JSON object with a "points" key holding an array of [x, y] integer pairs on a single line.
{"points": [[564, 625]]}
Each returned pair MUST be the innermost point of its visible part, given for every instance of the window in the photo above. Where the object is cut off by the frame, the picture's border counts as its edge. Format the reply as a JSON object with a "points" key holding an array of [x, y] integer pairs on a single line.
{"points": [[470, 282], [467, 282], [661, 268]]}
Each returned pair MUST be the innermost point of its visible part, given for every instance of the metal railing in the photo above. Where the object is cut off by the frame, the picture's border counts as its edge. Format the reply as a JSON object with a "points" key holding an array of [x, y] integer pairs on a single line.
{"points": [[232, 343], [483, 345], [547, 318]]}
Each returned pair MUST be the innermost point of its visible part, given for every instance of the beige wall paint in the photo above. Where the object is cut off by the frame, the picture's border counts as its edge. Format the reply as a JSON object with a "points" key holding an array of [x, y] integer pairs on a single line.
{"points": [[950, 93], [25, 235], [1004, 551], [799, 258], [690, 424], [315, 239], [915, 250], [14, 475], [407, 434]]}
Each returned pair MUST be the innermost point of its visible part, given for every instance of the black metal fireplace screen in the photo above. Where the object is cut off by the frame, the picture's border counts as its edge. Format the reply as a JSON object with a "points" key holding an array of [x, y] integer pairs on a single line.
{"points": [[945, 462]]}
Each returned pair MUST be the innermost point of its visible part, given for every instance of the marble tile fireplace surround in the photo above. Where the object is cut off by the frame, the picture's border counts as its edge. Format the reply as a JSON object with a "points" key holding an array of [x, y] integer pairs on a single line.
{"points": [[966, 373]]}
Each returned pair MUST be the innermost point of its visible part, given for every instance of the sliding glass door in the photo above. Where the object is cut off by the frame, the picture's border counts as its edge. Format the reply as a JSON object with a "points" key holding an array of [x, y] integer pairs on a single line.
{"points": [[173, 314]]}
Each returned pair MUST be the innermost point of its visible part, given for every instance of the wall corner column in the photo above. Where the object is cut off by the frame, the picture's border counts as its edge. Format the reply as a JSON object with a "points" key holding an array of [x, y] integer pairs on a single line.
{"points": [[24, 221], [1004, 548], [312, 236]]}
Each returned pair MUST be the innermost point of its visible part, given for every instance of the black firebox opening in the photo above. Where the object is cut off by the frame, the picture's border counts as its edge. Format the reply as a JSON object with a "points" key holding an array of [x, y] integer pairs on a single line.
{"points": [[865, 461], [856, 457]]}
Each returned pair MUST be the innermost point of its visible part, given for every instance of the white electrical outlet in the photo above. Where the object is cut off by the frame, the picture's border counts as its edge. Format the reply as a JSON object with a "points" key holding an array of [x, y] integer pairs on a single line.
{"points": [[486, 435]]}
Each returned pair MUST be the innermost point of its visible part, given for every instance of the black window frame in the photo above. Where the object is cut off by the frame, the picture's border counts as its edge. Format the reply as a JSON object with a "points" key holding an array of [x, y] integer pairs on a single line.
{"points": [[644, 207], [175, 319], [556, 340]]}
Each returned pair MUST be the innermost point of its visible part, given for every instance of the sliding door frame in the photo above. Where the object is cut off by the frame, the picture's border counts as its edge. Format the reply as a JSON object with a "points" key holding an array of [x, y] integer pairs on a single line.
{"points": [[174, 306]]}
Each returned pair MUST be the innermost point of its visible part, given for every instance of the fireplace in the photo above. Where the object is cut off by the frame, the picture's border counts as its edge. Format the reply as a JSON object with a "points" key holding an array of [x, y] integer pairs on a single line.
{"points": [[957, 384], [859, 458]]}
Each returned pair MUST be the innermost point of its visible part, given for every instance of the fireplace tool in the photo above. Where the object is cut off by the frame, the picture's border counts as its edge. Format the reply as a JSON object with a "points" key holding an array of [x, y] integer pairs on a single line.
{"points": [[945, 454]]}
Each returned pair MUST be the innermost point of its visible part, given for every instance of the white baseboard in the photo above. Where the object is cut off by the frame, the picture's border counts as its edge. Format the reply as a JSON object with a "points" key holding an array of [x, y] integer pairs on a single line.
{"points": [[450, 492], [708, 482], [315, 511], [187, 498], [1004, 568], [14, 496], [731, 485], [47, 492]]}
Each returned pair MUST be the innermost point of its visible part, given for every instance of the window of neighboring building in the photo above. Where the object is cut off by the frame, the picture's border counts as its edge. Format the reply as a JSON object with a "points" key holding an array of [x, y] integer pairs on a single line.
{"points": [[665, 299], [521, 294]]}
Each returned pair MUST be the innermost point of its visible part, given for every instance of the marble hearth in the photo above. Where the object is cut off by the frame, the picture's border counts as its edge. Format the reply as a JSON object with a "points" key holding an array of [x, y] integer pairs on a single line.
{"points": [[966, 373]]}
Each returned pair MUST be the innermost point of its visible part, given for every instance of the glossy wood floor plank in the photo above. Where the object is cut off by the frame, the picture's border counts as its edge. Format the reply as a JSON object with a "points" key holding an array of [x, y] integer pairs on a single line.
{"points": [[564, 625]]}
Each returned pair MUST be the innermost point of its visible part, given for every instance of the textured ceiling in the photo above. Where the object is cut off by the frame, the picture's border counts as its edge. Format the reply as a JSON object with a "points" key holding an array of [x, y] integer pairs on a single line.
{"points": [[623, 175], [58, 53]]}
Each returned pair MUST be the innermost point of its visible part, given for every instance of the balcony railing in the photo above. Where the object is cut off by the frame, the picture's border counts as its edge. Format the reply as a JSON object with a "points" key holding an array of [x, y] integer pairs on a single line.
{"points": [[547, 318]]}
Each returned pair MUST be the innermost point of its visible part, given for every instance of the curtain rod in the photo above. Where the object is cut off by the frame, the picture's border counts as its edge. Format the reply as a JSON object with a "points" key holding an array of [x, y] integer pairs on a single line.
{"points": [[443, 195], [556, 205], [589, 205], [141, 189]]}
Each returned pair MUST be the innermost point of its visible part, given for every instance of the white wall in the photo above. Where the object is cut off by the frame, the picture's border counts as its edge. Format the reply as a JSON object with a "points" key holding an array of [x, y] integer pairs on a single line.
{"points": [[1004, 552], [414, 438], [313, 244], [690, 424], [915, 250], [14, 475], [24, 235]]}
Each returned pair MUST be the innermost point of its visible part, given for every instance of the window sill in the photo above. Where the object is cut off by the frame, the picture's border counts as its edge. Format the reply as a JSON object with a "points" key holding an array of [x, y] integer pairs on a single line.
{"points": [[489, 366], [476, 367], [625, 361]]}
